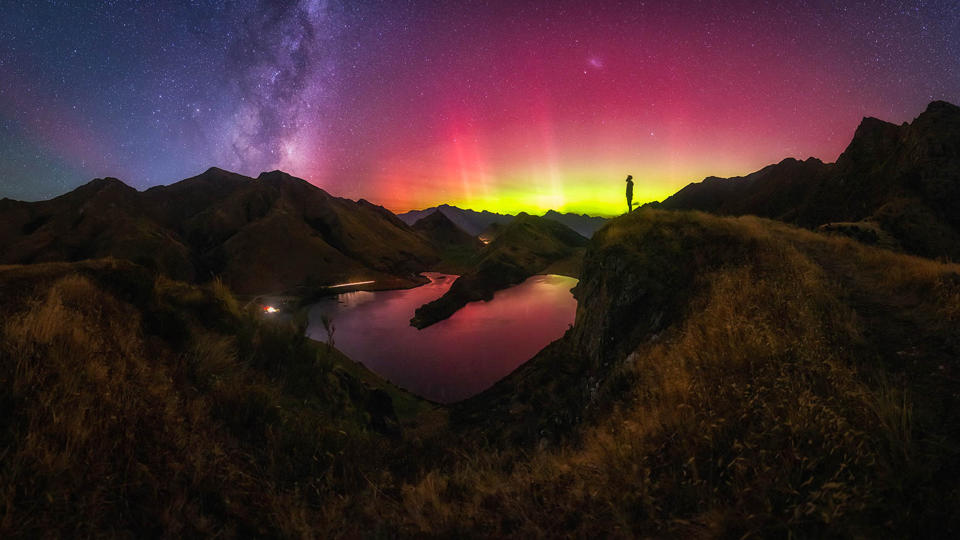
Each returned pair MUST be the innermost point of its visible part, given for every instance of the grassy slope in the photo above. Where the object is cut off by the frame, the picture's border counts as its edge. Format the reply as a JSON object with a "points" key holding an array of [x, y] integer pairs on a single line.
{"points": [[526, 246], [725, 377], [139, 405]]}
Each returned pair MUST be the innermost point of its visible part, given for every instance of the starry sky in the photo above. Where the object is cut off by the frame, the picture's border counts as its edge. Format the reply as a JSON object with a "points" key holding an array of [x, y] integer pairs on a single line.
{"points": [[504, 106]]}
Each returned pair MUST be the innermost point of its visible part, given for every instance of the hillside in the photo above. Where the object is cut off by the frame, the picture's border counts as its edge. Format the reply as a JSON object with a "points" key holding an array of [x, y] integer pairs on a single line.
{"points": [[456, 247], [726, 377], [897, 186], [137, 405], [272, 234], [102, 218], [527, 246]]}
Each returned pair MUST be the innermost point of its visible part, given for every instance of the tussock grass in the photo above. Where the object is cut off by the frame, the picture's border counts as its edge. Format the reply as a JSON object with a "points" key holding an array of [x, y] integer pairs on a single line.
{"points": [[163, 409], [726, 377], [769, 407]]}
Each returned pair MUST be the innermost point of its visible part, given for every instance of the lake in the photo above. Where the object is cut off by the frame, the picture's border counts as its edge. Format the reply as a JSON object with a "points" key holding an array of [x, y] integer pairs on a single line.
{"points": [[454, 358]]}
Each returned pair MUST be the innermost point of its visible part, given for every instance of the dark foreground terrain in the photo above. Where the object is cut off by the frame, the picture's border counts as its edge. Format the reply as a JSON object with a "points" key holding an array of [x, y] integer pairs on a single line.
{"points": [[726, 377]]}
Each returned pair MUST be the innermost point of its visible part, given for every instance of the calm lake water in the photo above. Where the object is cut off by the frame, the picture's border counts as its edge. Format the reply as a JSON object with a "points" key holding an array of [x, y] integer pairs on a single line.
{"points": [[457, 357]]}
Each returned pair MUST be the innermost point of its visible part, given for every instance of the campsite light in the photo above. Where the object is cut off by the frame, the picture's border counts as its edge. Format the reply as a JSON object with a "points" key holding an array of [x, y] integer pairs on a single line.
{"points": [[270, 309]]}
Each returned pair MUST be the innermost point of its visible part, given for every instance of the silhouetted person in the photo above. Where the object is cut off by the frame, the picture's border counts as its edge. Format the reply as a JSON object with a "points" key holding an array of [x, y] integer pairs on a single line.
{"points": [[629, 193]]}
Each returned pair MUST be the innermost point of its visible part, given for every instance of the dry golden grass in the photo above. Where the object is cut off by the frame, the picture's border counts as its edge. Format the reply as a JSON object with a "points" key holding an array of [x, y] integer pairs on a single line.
{"points": [[115, 430], [802, 386], [760, 414]]}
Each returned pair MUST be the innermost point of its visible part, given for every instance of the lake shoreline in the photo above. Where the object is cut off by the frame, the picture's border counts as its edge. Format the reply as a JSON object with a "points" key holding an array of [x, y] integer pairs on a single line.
{"points": [[460, 356]]}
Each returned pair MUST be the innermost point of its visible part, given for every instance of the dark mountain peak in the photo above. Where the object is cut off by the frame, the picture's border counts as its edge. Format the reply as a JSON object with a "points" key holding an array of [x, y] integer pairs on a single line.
{"points": [[208, 184], [796, 164], [216, 174], [870, 124], [287, 183], [435, 217], [584, 224], [108, 182], [443, 232], [212, 177], [873, 139], [941, 117], [472, 221], [934, 135], [282, 178], [276, 176], [99, 188], [873, 131], [942, 107]]}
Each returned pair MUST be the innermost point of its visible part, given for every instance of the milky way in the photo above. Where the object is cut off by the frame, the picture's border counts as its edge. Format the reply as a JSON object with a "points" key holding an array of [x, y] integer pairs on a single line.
{"points": [[506, 106]]}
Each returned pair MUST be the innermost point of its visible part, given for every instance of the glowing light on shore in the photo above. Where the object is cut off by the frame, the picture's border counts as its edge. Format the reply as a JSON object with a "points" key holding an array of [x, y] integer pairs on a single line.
{"points": [[351, 284]]}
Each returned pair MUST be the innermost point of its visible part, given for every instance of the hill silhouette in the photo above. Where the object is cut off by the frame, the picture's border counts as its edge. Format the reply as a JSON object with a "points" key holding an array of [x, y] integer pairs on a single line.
{"points": [[476, 223], [471, 221], [526, 246], [443, 232], [583, 224], [457, 247], [894, 185], [272, 234]]}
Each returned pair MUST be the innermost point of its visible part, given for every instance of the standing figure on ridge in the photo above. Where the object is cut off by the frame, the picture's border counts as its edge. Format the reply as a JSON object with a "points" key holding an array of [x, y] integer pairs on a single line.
{"points": [[629, 193]]}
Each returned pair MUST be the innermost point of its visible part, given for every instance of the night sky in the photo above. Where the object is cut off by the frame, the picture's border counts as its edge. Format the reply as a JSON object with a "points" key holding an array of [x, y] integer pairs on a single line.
{"points": [[499, 105]]}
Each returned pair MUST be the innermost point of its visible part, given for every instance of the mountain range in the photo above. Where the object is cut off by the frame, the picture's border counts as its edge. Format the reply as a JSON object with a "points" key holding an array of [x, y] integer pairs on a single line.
{"points": [[476, 223], [895, 185], [272, 234]]}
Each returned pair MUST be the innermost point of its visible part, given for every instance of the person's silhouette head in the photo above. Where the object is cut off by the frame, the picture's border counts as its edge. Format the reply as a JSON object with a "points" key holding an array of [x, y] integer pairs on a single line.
{"points": [[629, 177]]}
